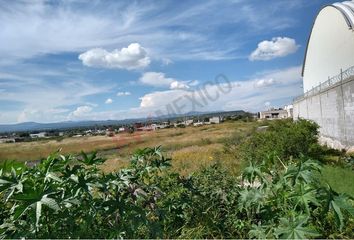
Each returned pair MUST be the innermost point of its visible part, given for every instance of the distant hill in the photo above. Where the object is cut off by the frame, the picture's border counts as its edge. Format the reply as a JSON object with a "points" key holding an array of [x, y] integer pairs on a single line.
{"points": [[33, 126]]}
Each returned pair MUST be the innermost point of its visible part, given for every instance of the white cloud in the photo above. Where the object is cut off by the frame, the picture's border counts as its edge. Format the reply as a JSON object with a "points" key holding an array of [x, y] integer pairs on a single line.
{"points": [[73, 26], [47, 115], [132, 57], [277, 47], [81, 111], [156, 79], [245, 95], [267, 104], [264, 82], [178, 85], [193, 83], [166, 61], [159, 79], [24, 115], [52, 105], [285, 76], [34, 98], [109, 101], [119, 94]]}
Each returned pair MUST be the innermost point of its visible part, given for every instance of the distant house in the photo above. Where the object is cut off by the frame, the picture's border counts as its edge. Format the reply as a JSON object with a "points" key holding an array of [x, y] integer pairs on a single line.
{"points": [[214, 120], [274, 114], [188, 122], [179, 124], [197, 124], [121, 129], [7, 140], [147, 128], [161, 126], [88, 132], [138, 125], [110, 132], [100, 132], [164, 125], [38, 135]]}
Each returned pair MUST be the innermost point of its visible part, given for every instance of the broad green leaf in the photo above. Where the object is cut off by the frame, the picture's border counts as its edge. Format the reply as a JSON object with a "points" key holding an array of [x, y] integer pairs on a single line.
{"points": [[10, 185], [260, 231], [50, 202], [90, 159], [253, 171], [292, 228], [343, 202], [303, 196], [338, 214], [20, 210], [53, 176]]}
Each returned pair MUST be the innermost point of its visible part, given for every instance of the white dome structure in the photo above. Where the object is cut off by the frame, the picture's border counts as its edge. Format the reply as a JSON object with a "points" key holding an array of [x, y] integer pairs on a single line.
{"points": [[330, 47]]}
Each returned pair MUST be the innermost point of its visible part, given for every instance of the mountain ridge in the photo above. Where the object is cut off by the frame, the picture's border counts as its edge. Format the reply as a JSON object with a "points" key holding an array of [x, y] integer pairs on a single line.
{"points": [[35, 126]]}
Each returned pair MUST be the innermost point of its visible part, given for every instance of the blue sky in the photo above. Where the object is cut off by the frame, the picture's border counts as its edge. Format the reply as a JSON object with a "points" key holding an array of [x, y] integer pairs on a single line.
{"points": [[78, 60]]}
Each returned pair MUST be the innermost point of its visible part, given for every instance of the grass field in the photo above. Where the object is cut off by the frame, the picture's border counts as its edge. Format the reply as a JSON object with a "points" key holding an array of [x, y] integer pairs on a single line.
{"points": [[190, 148], [340, 179]]}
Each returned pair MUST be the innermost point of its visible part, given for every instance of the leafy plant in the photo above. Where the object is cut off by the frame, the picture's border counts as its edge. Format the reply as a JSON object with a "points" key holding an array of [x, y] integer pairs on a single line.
{"points": [[284, 139], [70, 197]]}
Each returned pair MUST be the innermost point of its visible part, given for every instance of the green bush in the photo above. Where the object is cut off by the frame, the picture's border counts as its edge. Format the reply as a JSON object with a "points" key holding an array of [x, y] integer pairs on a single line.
{"points": [[285, 139], [69, 197]]}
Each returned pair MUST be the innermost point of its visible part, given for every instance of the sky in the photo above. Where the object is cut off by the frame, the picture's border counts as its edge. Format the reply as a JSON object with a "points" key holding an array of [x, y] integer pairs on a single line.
{"points": [[75, 60]]}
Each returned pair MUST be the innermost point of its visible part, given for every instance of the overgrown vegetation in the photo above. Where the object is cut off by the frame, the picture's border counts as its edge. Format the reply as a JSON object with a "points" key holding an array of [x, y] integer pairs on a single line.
{"points": [[285, 139], [278, 195]]}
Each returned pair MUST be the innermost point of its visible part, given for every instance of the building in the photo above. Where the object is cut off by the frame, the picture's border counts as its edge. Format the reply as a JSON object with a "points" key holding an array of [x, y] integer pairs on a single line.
{"points": [[121, 129], [330, 47], [274, 114], [162, 125], [188, 122], [197, 124], [110, 132], [328, 76], [38, 135], [151, 127], [88, 132], [290, 110], [214, 120], [7, 140], [185, 123]]}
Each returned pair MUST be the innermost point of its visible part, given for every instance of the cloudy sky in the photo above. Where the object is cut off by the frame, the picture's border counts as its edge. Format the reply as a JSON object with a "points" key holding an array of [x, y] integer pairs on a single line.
{"points": [[77, 60]]}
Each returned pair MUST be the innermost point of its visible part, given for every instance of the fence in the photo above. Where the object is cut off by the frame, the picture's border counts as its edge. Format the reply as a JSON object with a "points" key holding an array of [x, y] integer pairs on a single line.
{"points": [[343, 75]]}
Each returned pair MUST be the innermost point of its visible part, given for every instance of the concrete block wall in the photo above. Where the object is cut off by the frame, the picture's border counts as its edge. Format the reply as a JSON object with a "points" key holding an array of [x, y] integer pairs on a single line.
{"points": [[333, 110]]}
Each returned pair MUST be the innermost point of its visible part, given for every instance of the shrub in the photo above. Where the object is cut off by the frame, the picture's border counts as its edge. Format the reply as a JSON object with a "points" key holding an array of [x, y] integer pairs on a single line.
{"points": [[64, 197], [285, 139], [70, 197]]}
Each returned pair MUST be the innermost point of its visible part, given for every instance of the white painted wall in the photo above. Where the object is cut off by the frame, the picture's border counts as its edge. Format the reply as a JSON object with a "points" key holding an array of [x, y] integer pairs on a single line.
{"points": [[333, 110], [331, 47]]}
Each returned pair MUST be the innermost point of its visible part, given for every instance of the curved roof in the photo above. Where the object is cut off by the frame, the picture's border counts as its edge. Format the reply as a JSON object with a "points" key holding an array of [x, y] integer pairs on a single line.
{"points": [[347, 10]]}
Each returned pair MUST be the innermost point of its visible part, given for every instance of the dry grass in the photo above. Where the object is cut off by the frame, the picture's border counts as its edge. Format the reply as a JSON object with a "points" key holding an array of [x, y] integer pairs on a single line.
{"points": [[190, 148]]}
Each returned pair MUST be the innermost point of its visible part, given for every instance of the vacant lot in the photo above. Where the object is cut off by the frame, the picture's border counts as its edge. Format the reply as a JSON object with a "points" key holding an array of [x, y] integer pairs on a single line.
{"points": [[189, 147]]}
